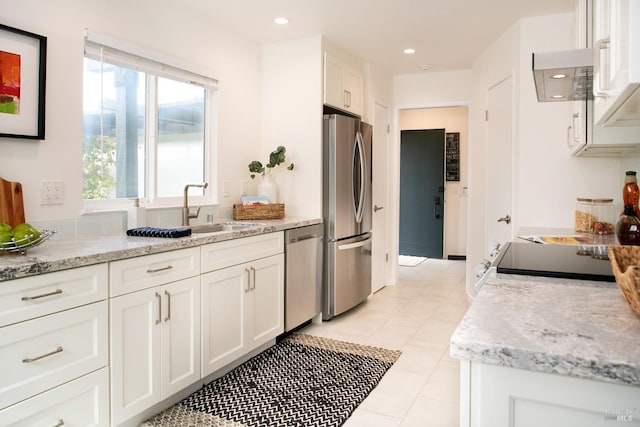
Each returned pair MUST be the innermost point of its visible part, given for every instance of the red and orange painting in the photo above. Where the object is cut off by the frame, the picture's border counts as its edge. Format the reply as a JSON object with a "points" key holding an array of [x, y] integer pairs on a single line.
{"points": [[9, 83]]}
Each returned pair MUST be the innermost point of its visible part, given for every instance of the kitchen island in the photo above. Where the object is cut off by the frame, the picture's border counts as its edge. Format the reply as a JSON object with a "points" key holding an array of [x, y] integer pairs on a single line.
{"points": [[543, 351]]}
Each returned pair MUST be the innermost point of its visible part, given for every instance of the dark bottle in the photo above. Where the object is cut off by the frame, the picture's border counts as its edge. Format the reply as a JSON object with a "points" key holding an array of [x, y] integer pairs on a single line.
{"points": [[628, 227], [630, 191]]}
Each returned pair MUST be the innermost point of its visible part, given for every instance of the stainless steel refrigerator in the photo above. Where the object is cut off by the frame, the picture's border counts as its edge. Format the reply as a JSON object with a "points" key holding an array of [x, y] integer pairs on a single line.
{"points": [[347, 213]]}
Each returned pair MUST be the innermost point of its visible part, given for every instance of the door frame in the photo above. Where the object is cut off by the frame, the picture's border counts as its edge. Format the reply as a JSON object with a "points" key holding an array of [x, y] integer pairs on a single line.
{"points": [[394, 175]]}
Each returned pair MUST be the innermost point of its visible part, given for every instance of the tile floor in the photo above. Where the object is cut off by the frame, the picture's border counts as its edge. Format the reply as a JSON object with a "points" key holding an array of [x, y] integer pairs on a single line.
{"points": [[418, 317]]}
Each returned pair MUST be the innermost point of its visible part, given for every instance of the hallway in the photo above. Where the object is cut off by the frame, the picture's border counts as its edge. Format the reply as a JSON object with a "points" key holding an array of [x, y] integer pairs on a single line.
{"points": [[418, 317]]}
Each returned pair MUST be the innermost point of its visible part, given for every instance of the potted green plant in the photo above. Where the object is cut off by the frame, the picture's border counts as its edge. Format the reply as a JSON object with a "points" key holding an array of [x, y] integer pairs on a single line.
{"points": [[267, 187], [276, 158]]}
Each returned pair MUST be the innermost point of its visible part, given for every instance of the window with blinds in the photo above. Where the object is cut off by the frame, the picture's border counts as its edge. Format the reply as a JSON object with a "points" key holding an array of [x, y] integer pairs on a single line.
{"points": [[147, 123]]}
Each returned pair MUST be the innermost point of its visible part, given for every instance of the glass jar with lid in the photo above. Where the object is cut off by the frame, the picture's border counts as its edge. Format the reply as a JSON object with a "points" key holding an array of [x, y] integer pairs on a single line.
{"points": [[583, 215], [603, 219]]}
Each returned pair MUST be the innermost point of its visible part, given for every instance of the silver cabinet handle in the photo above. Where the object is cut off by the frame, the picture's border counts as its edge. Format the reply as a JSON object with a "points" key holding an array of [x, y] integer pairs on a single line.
{"points": [[35, 359], [156, 270], [168, 306], [253, 279], [603, 54], [248, 288], [56, 292], [158, 320], [59, 423]]}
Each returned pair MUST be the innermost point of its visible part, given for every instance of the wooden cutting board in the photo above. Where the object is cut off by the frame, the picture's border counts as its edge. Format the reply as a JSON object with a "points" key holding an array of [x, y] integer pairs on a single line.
{"points": [[11, 203]]}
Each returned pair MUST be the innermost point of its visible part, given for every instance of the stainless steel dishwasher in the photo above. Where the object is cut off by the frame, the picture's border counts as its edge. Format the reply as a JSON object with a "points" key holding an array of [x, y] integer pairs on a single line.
{"points": [[303, 281]]}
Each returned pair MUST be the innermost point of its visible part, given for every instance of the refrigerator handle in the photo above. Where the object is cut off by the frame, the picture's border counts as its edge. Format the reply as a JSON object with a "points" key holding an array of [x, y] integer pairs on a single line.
{"points": [[358, 149], [354, 245]]}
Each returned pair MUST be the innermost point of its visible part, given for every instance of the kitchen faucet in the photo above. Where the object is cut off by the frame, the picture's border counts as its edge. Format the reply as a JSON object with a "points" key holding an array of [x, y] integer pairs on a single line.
{"points": [[186, 215]]}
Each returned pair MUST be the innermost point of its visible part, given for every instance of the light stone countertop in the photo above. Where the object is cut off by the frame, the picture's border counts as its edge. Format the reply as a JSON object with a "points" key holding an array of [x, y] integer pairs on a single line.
{"points": [[570, 327], [60, 254]]}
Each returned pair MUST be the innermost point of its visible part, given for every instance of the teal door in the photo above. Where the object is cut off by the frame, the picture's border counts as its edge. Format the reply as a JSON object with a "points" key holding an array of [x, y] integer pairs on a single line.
{"points": [[422, 192]]}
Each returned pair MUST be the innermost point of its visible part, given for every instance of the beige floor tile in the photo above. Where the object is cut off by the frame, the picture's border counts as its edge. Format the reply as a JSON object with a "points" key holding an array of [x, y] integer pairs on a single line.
{"points": [[431, 413], [444, 383], [362, 418], [395, 393]]}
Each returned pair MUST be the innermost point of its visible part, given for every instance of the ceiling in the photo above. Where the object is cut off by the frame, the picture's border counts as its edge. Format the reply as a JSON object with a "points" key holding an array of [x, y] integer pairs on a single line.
{"points": [[447, 35]]}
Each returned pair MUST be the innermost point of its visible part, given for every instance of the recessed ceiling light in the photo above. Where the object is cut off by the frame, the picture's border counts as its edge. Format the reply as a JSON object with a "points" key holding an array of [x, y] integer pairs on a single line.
{"points": [[281, 20], [559, 76], [409, 51], [557, 96]]}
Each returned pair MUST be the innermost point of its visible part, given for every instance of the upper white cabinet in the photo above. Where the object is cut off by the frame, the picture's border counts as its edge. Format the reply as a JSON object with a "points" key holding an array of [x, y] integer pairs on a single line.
{"points": [[616, 49], [343, 85]]}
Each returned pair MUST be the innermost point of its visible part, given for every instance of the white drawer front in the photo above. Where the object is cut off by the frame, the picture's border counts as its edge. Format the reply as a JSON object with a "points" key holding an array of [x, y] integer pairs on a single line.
{"points": [[81, 402], [36, 296], [134, 274], [237, 251], [43, 353]]}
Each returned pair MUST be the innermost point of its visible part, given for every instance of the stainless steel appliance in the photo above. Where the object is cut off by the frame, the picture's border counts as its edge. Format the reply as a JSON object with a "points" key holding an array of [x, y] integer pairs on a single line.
{"points": [[303, 279], [347, 213]]}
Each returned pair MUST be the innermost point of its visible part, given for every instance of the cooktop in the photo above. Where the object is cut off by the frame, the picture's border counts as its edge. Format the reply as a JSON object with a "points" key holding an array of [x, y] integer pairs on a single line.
{"points": [[561, 261]]}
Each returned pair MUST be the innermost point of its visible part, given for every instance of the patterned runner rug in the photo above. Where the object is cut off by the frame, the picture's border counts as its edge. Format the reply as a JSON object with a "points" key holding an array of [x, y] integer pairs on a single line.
{"points": [[303, 380]]}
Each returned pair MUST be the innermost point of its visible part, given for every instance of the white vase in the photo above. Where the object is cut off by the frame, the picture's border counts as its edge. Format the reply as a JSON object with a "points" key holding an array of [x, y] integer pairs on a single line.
{"points": [[268, 188]]}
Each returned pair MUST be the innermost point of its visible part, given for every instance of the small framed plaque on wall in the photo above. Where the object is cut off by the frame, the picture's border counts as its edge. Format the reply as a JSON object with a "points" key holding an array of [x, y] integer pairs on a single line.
{"points": [[452, 156]]}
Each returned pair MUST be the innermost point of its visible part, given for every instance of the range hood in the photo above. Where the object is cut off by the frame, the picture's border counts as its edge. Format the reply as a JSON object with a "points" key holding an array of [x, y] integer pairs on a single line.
{"points": [[563, 75]]}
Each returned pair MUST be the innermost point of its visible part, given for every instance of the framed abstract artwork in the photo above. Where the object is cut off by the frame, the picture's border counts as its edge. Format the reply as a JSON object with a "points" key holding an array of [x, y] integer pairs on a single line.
{"points": [[23, 69]]}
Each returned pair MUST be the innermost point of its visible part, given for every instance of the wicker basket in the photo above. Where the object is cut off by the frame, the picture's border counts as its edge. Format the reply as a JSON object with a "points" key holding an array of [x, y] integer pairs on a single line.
{"points": [[625, 262], [270, 211]]}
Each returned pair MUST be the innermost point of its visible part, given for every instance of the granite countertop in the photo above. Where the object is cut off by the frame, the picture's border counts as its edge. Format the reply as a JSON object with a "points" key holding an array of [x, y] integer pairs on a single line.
{"points": [[60, 254], [570, 327]]}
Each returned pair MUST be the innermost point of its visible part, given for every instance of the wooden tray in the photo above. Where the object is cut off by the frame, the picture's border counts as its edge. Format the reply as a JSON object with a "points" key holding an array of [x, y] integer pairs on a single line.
{"points": [[270, 211]]}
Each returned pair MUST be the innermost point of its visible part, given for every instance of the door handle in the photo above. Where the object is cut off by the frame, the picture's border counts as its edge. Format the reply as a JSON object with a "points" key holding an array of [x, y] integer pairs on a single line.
{"points": [[377, 208], [436, 203], [506, 219]]}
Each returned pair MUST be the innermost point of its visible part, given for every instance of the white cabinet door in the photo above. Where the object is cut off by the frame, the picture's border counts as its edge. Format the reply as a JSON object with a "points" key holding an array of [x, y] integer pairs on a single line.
{"points": [[343, 85], [155, 345], [223, 316], [135, 353], [353, 88], [242, 308], [180, 335], [616, 63], [267, 299]]}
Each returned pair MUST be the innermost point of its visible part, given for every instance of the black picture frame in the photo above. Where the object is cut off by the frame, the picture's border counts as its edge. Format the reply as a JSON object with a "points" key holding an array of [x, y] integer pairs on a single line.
{"points": [[29, 120], [452, 160]]}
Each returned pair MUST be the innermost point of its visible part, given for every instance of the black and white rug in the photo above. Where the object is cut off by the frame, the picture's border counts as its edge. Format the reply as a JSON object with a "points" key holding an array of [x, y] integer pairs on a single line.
{"points": [[303, 380]]}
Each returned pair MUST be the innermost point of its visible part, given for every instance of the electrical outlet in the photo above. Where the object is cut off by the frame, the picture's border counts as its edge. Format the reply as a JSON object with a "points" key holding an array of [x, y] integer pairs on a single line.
{"points": [[52, 193], [244, 188]]}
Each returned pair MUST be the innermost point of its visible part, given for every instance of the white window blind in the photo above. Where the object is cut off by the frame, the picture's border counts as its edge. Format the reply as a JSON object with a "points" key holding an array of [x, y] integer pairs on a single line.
{"points": [[117, 52]]}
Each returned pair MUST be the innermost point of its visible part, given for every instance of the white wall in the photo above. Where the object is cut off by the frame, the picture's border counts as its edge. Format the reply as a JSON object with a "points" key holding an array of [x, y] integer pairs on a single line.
{"points": [[292, 116], [547, 179], [169, 28]]}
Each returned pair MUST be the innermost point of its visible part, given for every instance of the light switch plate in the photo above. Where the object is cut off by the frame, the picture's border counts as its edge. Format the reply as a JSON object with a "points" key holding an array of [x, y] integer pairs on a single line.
{"points": [[52, 193]]}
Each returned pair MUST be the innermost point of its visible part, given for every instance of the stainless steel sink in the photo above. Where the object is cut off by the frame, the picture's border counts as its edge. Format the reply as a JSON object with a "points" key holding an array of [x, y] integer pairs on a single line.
{"points": [[216, 227]]}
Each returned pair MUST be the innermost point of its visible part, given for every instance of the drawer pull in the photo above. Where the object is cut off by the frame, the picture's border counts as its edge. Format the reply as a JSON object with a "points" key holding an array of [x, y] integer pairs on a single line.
{"points": [[166, 319], [156, 270], [34, 359], [59, 423], [158, 320], [56, 292]]}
